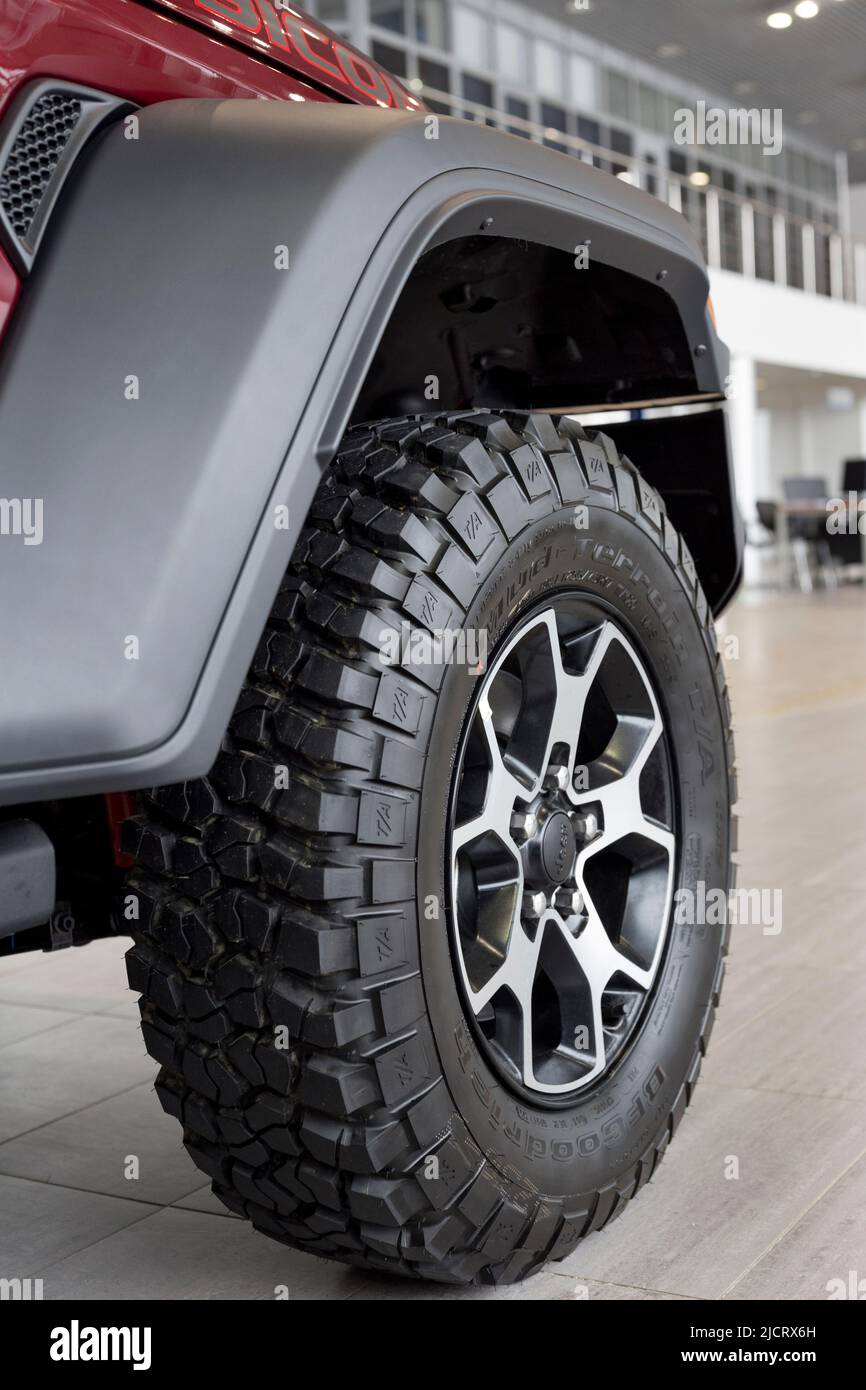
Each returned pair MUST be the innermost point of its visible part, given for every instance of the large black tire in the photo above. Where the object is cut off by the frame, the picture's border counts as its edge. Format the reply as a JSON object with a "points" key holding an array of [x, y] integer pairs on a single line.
{"points": [[263, 907]]}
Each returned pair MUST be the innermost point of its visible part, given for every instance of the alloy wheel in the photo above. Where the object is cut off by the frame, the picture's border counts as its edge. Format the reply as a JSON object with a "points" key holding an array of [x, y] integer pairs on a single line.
{"points": [[562, 849]]}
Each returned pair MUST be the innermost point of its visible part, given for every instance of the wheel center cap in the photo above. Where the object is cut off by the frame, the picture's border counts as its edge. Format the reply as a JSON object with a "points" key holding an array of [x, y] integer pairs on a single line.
{"points": [[558, 847]]}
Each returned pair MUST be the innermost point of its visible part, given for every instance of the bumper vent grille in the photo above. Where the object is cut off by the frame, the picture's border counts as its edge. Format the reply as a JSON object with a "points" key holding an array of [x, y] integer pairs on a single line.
{"points": [[34, 157], [39, 142]]}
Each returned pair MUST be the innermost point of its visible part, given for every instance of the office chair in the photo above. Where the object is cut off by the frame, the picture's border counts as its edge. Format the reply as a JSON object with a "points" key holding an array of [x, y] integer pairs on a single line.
{"points": [[809, 533]]}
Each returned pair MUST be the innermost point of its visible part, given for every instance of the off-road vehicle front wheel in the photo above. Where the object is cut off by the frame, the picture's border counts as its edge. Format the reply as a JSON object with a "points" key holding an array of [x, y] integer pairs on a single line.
{"points": [[408, 956]]}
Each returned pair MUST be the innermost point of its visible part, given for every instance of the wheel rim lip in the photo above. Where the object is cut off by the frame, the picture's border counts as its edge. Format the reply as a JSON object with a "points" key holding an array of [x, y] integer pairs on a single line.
{"points": [[558, 1097]]}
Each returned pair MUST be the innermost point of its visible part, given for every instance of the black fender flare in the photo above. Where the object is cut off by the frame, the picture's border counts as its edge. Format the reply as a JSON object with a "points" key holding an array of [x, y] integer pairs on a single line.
{"points": [[166, 388]]}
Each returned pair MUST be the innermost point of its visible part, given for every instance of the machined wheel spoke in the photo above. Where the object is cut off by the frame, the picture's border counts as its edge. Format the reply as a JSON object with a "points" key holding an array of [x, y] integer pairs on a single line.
{"points": [[659, 834], [518, 965], [571, 693], [562, 885], [601, 960], [503, 789]]}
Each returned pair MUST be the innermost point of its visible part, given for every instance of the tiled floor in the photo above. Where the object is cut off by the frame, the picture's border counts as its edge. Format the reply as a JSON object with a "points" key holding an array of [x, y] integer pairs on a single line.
{"points": [[782, 1101]]}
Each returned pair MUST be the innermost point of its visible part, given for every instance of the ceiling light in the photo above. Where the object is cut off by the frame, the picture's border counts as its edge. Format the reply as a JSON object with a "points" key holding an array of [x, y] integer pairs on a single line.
{"points": [[670, 50], [807, 9], [699, 178], [779, 20]]}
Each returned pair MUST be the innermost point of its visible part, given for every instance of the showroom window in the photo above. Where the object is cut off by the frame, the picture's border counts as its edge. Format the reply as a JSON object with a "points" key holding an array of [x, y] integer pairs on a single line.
{"points": [[431, 23], [650, 182], [471, 37], [697, 213], [618, 98], [581, 77], [553, 118], [797, 168], [548, 68], [729, 212], [764, 249], [331, 12], [780, 165], [479, 90], [671, 105], [388, 14], [650, 107], [394, 59], [621, 143], [590, 131], [512, 53], [516, 106], [800, 208], [828, 181], [436, 77], [678, 164]]}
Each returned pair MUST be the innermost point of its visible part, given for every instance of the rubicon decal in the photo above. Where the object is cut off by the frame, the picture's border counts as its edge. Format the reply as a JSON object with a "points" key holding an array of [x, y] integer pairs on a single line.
{"points": [[289, 37]]}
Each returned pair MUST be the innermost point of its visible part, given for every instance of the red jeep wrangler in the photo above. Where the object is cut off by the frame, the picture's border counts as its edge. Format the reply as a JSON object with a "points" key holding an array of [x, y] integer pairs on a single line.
{"points": [[373, 694]]}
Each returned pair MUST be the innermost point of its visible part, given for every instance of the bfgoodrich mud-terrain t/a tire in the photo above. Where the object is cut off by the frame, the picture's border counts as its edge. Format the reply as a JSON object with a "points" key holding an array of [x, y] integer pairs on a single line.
{"points": [[408, 956]]}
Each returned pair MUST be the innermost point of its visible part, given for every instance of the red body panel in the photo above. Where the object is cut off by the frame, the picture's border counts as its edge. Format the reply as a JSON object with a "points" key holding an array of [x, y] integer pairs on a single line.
{"points": [[281, 33], [124, 47], [182, 48], [9, 289]]}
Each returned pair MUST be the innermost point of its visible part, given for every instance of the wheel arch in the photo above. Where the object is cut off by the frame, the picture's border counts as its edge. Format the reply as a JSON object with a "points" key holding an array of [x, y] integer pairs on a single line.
{"points": [[203, 364]]}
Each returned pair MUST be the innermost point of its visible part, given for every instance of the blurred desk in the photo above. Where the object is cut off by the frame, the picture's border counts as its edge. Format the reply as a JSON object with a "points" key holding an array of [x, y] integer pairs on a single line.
{"points": [[811, 509]]}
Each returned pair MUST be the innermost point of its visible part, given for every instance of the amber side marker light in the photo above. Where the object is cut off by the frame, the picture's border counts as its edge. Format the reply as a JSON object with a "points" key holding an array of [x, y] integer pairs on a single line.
{"points": [[712, 312]]}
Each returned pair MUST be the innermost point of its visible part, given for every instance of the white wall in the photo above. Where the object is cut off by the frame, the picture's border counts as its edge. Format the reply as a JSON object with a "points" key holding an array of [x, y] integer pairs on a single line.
{"points": [[789, 328], [813, 443]]}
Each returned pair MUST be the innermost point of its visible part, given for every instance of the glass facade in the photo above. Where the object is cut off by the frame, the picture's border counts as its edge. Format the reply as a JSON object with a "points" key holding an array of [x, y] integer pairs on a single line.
{"points": [[505, 57]]}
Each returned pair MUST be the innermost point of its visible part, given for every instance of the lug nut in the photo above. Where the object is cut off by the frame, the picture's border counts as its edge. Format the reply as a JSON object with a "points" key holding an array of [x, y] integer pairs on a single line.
{"points": [[569, 902], [534, 904], [557, 776], [586, 824], [524, 824]]}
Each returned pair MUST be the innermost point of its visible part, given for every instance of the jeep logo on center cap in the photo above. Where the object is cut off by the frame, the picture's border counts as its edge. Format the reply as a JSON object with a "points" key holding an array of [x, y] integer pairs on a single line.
{"points": [[558, 847]]}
